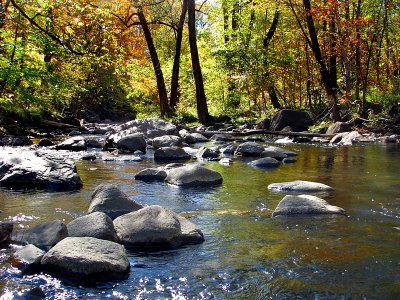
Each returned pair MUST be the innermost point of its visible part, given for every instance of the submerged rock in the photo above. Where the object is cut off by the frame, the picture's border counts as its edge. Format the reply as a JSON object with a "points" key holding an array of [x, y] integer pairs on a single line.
{"points": [[43, 236], [97, 225], [87, 258], [278, 152], [110, 200], [171, 154], [193, 175], [300, 186], [156, 227], [305, 204], [40, 170]]}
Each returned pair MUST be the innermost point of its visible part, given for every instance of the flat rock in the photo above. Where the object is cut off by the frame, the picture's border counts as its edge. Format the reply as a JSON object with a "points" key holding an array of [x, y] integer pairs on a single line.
{"points": [[300, 186], [193, 175], [37, 170], [109, 199], [149, 127], [305, 204], [151, 174], [279, 151], [171, 154], [249, 149], [76, 143], [43, 236], [97, 225], [265, 162], [156, 227], [87, 258]]}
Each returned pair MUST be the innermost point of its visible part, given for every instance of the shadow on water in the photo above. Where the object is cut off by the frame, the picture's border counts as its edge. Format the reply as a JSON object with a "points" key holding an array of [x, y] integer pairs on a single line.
{"points": [[247, 254]]}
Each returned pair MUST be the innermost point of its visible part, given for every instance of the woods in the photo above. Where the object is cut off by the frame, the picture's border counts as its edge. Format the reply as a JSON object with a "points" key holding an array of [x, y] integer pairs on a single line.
{"points": [[188, 59]]}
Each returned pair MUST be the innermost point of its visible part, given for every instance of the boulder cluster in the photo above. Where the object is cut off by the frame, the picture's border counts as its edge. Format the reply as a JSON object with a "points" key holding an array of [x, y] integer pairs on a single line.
{"points": [[93, 247]]}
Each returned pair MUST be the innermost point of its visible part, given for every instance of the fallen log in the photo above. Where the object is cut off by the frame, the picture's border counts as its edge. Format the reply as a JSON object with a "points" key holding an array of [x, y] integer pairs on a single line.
{"points": [[60, 125], [260, 131]]}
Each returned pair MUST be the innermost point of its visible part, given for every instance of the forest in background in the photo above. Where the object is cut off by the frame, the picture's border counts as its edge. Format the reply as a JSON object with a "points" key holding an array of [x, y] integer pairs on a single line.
{"points": [[189, 60]]}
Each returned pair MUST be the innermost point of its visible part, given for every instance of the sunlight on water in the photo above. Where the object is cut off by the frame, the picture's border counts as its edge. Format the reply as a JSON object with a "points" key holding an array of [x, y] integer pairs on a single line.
{"points": [[247, 254]]}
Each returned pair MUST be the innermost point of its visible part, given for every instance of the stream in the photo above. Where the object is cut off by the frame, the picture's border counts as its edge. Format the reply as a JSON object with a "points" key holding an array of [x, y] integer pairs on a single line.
{"points": [[247, 254]]}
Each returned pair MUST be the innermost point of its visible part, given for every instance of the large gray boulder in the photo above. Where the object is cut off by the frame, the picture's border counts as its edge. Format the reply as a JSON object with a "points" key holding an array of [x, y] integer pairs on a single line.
{"points": [[171, 154], [265, 162], [76, 143], [155, 227], [297, 120], [249, 149], [97, 225], [131, 143], [28, 258], [110, 200], [43, 236], [300, 186], [151, 174], [193, 175], [167, 141], [305, 204], [87, 258], [37, 170]]}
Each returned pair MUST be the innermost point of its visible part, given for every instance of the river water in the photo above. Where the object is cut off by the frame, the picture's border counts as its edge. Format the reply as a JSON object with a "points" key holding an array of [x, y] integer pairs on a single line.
{"points": [[246, 253]]}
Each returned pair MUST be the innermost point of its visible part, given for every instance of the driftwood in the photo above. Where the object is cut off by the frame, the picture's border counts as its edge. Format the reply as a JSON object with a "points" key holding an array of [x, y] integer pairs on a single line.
{"points": [[60, 125], [259, 131]]}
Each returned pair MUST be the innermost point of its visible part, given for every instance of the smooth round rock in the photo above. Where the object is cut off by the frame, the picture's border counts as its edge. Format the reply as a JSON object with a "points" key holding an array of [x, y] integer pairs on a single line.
{"points": [[97, 225], [112, 201], [87, 258], [304, 205], [151, 174], [193, 175], [265, 162], [249, 149], [171, 154]]}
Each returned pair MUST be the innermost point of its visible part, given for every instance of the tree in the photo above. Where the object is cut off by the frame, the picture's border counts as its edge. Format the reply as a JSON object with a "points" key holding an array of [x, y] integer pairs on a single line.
{"points": [[202, 108]]}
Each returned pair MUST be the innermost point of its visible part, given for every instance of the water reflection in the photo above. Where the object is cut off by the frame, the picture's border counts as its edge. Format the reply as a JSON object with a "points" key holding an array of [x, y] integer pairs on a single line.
{"points": [[247, 254]]}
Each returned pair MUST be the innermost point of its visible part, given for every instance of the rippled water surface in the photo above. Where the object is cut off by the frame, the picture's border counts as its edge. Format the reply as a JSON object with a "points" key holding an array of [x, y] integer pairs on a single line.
{"points": [[247, 254]]}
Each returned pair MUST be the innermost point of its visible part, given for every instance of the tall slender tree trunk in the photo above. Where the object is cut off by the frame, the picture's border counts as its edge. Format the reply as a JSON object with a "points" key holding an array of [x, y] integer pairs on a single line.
{"points": [[162, 91], [273, 96], [202, 108], [226, 20], [173, 101], [358, 54], [329, 87]]}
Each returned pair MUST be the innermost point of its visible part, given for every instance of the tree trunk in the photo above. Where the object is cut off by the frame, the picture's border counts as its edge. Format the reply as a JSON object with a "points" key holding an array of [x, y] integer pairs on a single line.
{"points": [[202, 109], [162, 91], [226, 20], [325, 74], [266, 40], [173, 101]]}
